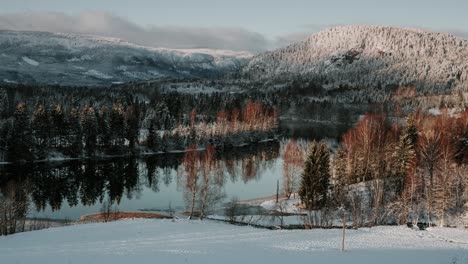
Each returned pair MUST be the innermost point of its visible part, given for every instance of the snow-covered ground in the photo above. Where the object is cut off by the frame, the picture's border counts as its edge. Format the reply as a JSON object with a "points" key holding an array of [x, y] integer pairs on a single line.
{"points": [[182, 241]]}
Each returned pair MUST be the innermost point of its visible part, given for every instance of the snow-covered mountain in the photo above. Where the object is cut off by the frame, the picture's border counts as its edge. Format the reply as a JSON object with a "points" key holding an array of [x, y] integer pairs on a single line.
{"points": [[369, 57], [364, 57], [42, 57]]}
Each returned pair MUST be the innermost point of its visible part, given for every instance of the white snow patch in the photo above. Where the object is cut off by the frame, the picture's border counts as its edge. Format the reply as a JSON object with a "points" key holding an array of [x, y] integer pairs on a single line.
{"points": [[98, 74], [79, 67], [8, 81], [30, 61], [82, 58]]}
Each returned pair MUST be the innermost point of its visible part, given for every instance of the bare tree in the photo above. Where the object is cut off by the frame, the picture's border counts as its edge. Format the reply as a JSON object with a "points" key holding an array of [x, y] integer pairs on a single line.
{"points": [[14, 207], [293, 158], [191, 162], [108, 212], [210, 190]]}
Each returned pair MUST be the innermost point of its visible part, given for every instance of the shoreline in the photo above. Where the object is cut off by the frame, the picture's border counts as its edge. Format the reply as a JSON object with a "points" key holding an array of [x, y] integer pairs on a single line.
{"points": [[137, 155]]}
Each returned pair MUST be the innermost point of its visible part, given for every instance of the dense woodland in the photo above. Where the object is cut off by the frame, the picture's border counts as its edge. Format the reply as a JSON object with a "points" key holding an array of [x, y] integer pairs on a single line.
{"points": [[41, 123]]}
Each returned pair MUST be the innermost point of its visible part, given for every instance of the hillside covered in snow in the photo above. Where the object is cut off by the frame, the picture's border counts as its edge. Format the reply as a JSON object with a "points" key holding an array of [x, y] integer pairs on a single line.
{"points": [[66, 59], [370, 57]]}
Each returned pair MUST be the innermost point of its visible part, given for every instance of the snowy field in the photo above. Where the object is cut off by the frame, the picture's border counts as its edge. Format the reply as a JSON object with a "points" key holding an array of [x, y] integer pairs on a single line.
{"points": [[182, 241]]}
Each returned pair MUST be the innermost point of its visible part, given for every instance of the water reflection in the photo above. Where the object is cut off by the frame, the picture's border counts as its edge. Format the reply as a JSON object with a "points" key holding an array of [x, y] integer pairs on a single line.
{"points": [[51, 186]]}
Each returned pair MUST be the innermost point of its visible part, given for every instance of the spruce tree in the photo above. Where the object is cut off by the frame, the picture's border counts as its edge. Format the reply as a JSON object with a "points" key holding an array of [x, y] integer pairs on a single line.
{"points": [[341, 178], [132, 126], [41, 131], [315, 178], [90, 130], [104, 133], [57, 132], [19, 146], [75, 135], [405, 153], [152, 138], [117, 127]]}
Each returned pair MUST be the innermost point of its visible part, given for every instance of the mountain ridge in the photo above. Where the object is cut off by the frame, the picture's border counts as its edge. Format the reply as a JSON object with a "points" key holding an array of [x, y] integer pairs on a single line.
{"points": [[369, 56], [362, 57], [70, 59]]}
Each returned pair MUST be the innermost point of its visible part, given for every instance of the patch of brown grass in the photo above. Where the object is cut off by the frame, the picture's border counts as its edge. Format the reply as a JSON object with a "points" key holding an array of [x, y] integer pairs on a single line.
{"points": [[121, 215]]}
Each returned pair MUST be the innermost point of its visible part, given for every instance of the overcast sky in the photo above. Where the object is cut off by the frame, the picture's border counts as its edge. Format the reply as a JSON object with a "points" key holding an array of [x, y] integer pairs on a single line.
{"points": [[253, 25]]}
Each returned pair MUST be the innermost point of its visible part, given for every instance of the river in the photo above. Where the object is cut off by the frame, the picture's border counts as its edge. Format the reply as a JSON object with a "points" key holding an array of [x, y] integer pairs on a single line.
{"points": [[68, 190]]}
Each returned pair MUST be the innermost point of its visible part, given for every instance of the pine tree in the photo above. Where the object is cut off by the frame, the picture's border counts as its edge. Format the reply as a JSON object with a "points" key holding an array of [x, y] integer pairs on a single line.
{"points": [[178, 141], [75, 135], [5, 132], [405, 152], [57, 119], [104, 133], [341, 177], [315, 178], [164, 143], [132, 126], [41, 131], [90, 130], [152, 139], [20, 142], [117, 126]]}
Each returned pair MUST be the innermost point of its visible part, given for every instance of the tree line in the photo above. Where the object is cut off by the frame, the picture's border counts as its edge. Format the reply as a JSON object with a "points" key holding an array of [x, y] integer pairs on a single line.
{"points": [[118, 123]]}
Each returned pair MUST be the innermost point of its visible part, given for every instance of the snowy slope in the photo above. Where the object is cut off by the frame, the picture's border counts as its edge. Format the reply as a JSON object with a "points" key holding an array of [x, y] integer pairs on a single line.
{"points": [[163, 241], [370, 56], [41, 57]]}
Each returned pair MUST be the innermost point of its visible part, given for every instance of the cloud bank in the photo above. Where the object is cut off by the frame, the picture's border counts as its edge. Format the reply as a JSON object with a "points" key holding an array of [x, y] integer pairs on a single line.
{"points": [[108, 25]]}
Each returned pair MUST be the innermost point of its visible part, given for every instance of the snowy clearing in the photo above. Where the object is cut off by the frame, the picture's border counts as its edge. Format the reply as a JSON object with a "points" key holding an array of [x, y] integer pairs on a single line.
{"points": [[182, 241]]}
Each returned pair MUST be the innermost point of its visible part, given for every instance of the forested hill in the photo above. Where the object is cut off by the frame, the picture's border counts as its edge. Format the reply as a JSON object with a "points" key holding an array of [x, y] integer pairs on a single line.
{"points": [[79, 60], [370, 57]]}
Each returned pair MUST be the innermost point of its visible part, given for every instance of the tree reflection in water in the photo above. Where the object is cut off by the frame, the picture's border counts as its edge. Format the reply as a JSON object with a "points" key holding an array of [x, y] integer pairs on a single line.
{"points": [[85, 183]]}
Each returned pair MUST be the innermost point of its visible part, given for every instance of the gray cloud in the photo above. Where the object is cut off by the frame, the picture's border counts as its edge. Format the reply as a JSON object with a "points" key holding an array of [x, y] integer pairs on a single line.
{"points": [[303, 32], [284, 40], [108, 25]]}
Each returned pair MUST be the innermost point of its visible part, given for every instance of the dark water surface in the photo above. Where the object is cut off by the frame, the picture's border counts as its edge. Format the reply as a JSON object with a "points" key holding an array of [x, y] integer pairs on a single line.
{"points": [[68, 190]]}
